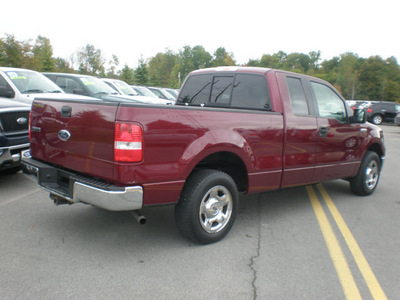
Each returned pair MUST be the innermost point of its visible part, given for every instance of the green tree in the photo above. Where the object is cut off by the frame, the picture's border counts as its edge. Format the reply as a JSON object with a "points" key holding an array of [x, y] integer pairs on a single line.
{"points": [[160, 68], [348, 73], [43, 55], [298, 62], [11, 52], [223, 58], [372, 75], [391, 84], [62, 66], [127, 75], [90, 61], [113, 64], [141, 74]]}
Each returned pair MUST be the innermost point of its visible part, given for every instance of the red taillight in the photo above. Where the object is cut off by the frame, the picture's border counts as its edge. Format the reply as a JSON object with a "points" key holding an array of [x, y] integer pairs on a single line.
{"points": [[369, 110], [128, 142]]}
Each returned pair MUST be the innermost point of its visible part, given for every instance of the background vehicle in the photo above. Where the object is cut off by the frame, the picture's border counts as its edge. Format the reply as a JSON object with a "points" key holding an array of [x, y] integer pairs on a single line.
{"points": [[122, 88], [381, 111], [14, 134], [144, 91], [161, 93], [24, 85], [397, 119], [86, 85], [233, 130], [174, 93]]}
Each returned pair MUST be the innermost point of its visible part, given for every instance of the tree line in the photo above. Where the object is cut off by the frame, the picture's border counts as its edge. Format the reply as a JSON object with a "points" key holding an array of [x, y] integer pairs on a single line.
{"points": [[372, 78]]}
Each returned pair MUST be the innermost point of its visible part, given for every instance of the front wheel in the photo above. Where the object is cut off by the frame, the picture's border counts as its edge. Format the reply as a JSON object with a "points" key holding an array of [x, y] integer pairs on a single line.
{"points": [[366, 181], [207, 207]]}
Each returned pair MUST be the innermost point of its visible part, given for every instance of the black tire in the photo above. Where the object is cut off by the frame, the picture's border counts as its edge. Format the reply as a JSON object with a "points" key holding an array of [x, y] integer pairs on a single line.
{"points": [[377, 119], [207, 207], [366, 181]]}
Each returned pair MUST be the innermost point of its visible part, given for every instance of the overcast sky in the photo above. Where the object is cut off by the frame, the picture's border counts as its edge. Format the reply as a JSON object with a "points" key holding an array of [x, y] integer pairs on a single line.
{"points": [[246, 28]]}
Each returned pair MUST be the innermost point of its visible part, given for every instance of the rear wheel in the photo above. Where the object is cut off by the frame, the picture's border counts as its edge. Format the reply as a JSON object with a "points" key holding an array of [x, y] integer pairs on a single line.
{"points": [[207, 207], [377, 119], [366, 181]]}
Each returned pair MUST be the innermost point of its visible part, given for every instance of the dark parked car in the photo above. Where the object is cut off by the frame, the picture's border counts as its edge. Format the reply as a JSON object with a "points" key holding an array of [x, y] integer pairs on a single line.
{"points": [[14, 134], [382, 111], [397, 119]]}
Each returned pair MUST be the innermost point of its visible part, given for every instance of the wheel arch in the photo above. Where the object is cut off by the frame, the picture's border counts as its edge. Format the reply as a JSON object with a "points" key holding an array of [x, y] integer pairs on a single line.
{"points": [[378, 150], [227, 162]]}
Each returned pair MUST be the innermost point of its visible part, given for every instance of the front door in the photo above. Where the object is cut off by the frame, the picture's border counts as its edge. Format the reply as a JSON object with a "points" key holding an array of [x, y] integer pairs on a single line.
{"points": [[338, 140]]}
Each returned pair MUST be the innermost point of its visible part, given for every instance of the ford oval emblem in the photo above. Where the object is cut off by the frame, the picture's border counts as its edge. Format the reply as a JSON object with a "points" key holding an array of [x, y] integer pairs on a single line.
{"points": [[64, 135], [22, 121]]}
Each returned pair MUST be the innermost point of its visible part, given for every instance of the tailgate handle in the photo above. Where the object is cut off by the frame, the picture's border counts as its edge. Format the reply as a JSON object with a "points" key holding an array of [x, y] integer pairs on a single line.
{"points": [[66, 111]]}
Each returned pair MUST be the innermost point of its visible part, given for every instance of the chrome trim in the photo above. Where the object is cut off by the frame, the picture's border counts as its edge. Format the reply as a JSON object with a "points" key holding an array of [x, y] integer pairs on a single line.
{"points": [[15, 147], [129, 199], [125, 199]]}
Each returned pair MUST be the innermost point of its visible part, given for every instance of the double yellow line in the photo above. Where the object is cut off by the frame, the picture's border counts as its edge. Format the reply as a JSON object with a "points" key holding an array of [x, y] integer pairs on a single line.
{"points": [[342, 268]]}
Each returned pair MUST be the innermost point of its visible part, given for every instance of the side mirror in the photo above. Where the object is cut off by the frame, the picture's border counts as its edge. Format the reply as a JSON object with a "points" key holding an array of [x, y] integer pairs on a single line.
{"points": [[359, 116], [6, 92]]}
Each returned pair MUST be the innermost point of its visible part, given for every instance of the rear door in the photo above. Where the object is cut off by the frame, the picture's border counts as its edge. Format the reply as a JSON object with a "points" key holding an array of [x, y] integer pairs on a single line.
{"points": [[338, 141], [301, 130]]}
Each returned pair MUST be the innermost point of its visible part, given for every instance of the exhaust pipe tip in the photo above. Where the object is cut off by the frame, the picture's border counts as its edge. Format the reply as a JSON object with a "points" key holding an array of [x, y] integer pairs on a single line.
{"points": [[139, 217]]}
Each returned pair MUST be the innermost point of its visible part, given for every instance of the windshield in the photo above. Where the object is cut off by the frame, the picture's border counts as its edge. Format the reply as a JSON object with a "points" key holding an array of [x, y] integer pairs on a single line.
{"points": [[32, 82], [145, 92], [125, 88], [172, 92], [96, 86]]}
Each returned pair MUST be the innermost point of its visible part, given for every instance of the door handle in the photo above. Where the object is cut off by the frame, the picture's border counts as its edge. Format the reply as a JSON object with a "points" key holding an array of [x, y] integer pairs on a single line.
{"points": [[323, 131]]}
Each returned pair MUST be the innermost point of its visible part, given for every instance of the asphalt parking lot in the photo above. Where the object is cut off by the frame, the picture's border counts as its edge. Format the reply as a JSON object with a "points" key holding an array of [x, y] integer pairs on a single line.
{"points": [[316, 242]]}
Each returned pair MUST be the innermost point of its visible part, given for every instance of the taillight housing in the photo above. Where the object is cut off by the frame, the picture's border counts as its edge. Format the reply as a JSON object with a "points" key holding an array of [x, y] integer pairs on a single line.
{"points": [[128, 142]]}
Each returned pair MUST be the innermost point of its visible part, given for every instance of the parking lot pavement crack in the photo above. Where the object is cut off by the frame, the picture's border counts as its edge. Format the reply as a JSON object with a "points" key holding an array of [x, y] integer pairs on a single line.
{"points": [[257, 253]]}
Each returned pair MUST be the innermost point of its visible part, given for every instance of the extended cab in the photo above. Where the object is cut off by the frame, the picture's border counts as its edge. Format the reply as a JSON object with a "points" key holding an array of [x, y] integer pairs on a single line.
{"points": [[233, 130]]}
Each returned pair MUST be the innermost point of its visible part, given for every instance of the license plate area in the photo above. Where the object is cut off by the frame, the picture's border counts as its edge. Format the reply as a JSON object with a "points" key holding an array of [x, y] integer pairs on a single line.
{"points": [[56, 180]]}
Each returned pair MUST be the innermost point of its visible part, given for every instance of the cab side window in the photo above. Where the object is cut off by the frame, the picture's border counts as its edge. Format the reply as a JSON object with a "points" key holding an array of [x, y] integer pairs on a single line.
{"points": [[297, 97], [196, 90], [250, 92], [330, 105]]}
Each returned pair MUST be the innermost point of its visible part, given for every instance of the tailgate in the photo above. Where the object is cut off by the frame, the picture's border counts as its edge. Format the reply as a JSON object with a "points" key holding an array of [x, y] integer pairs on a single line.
{"points": [[77, 135]]}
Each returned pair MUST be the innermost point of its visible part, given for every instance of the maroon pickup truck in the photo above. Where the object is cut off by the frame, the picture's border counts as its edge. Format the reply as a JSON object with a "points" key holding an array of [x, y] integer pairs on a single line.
{"points": [[233, 130]]}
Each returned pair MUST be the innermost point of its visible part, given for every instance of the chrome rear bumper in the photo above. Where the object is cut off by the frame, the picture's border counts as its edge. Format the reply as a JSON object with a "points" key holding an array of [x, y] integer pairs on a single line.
{"points": [[76, 188]]}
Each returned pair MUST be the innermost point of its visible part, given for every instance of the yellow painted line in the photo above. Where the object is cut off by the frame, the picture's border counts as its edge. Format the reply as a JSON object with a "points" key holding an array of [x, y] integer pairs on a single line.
{"points": [[365, 269], [342, 268]]}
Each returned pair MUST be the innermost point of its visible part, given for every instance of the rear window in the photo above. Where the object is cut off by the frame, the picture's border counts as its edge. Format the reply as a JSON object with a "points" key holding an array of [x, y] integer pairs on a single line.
{"points": [[196, 90], [245, 91]]}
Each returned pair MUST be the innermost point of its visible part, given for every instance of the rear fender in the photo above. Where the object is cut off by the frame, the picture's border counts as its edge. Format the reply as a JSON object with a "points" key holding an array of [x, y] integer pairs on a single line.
{"points": [[213, 142]]}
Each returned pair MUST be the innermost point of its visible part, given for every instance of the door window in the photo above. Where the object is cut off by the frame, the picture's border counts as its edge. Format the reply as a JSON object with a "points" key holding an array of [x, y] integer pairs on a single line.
{"points": [[330, 105], [297, 97]]}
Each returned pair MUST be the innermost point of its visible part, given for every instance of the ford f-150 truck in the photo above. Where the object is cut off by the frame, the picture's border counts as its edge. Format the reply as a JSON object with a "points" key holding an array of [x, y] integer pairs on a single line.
{"points": [[232, 130]]}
